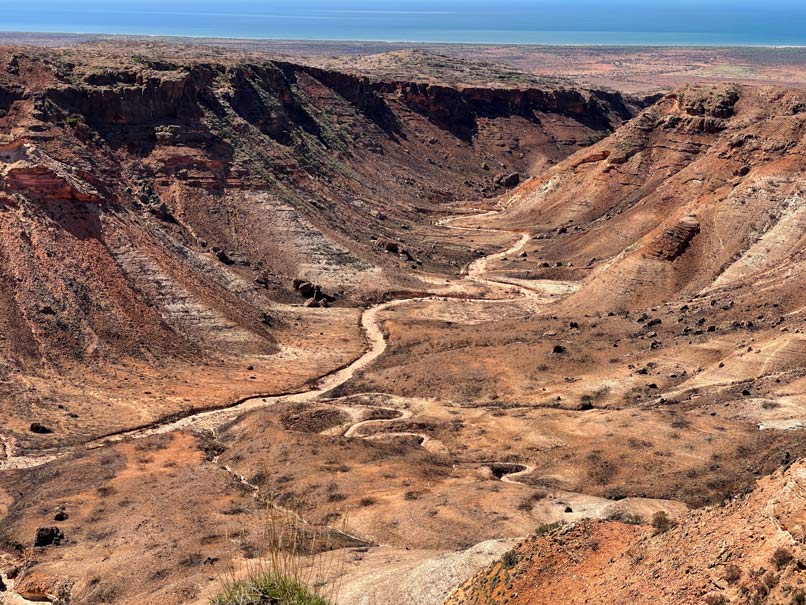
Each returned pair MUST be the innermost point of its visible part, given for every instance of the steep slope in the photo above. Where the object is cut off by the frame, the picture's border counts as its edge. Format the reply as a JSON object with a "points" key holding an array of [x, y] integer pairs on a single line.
{"points": [[701, 193], [162, 214], [748, 550]]}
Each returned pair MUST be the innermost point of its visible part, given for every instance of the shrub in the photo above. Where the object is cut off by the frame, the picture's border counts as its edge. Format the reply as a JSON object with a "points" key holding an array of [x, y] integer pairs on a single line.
{"points": [[662, 522], [781, 557], [547, 528], [510, 559], [292, 562], [732, 573], [268, 587], [625, 517]]}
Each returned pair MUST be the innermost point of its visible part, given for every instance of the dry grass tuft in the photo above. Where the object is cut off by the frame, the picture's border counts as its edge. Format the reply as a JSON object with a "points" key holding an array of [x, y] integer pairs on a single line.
{"points": [[295, 565]]}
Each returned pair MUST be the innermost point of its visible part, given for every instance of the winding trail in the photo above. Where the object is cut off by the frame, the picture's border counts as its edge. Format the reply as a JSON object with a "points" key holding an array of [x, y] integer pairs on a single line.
{"points": [[510, 477], [212, 418]]}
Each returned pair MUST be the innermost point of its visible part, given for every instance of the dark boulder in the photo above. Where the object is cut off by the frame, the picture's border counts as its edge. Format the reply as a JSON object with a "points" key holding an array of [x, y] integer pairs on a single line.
{"points": [[224, 257], [306, 289], [49, 536], [313, 292], [508, 180]]}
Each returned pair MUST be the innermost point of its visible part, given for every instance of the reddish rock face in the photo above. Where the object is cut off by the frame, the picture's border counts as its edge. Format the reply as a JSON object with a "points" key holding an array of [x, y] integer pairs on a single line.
{"points": [[160, 208]]}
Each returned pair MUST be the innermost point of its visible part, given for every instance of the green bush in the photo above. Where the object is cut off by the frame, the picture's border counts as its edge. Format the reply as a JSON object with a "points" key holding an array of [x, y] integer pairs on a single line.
{"points": [[510, 559], [268, 587], [292, 564]]}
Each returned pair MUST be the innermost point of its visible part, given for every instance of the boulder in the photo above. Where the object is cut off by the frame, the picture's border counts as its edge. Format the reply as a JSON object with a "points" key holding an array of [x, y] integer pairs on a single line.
{"points": [[508, 180], [224, 257], [307, 289], [162, 212], [48, 536], [40, 429], [312, 291]]}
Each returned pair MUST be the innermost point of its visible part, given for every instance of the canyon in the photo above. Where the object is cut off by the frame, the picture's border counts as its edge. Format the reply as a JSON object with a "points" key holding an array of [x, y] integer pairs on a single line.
{"points": [[480, 327]]}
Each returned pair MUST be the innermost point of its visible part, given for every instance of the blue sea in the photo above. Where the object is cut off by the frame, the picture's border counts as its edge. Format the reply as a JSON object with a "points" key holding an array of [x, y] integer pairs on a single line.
{"points": [[564, 22]]}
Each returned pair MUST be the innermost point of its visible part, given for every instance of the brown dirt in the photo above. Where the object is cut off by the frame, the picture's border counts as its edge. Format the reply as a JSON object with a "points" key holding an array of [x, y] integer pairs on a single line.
{"points": [[749, 550]]}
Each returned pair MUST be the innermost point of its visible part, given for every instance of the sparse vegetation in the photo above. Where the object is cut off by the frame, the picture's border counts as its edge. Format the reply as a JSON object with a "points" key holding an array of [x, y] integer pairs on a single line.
{"points": [[626, 517], [257, 161], [268, 587], [291, 565], [600, 470], [781, 557], [547, 528], [587, 400], [661, 522], [732, 573], [510, 559]]}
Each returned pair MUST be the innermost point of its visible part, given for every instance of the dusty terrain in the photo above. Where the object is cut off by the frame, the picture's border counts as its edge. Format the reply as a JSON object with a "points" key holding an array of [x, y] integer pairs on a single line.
{"points": [[403, 301], [747, 550]]}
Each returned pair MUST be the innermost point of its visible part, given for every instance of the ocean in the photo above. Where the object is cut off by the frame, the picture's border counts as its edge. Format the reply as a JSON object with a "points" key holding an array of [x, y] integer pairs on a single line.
{"points": [[562, 22]]}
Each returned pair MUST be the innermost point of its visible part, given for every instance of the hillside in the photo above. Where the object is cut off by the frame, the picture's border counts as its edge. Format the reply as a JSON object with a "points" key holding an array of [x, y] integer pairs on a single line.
{"points": [[679, 203], [748, 550]]}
